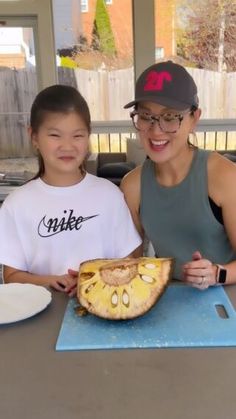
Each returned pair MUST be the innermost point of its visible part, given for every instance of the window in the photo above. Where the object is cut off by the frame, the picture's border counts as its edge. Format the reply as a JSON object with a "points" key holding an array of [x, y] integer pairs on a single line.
{"points": [[98, 59], [18, 83], [159, 53], [96, 56], [203, 43], [84, 6]]}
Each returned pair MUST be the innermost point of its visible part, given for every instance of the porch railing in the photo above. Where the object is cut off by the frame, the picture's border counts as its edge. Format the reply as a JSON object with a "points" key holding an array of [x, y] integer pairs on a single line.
{"points": [[211, 134], [108, 136]]}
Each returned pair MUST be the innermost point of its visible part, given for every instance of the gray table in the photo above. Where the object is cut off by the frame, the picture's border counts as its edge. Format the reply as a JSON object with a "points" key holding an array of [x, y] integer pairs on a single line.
{"points": [[39, 383]]}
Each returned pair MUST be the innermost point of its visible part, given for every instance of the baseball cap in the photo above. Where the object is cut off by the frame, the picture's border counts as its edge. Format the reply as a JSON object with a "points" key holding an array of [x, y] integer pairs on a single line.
{"points": [[167, 84]]}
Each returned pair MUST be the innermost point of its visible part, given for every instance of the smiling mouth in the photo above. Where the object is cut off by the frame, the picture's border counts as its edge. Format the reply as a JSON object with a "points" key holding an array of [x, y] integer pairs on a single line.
{"points": [[158, 144], [66, 158]]}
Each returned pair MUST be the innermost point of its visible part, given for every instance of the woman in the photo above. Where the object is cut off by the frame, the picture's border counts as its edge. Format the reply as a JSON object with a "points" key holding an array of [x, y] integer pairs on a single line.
{"points": [[182, 198]]}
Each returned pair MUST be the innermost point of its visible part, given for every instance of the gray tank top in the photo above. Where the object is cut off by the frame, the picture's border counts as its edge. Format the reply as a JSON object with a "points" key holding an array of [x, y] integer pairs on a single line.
{"points": [[178, 220]]}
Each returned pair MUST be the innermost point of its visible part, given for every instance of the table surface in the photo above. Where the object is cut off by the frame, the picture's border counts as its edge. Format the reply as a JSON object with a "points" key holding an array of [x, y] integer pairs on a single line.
{"points": [[39, 383]]}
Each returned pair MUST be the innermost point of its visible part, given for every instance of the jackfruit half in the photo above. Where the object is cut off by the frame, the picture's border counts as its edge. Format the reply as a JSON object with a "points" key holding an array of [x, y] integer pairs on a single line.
{"points": [[122, 288]]}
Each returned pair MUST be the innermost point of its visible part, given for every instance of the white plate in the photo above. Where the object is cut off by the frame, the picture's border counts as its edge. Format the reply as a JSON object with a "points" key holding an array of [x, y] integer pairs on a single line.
{"points": [[20, 301]]}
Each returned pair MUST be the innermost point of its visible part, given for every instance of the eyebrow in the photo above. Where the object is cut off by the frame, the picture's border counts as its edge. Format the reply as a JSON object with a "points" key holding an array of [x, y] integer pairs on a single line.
{"points": [[59, 130], [164, 111], [156, 115], [81, 129]]}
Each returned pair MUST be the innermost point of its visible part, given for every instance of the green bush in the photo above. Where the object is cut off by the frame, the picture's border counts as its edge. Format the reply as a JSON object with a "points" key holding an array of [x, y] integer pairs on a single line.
{"points": [[103, 38]]}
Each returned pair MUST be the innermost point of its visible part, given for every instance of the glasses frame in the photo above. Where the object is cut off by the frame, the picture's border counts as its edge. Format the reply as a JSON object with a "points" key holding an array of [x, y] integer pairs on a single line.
{"points": [[156, 119]]}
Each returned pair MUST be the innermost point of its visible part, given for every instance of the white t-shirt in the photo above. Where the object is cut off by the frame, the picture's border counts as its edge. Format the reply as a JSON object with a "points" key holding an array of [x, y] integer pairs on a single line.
{"points": [[46, 229]]}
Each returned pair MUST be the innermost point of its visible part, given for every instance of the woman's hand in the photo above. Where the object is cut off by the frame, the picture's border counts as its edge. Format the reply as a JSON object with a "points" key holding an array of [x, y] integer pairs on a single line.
{"points": [[199, 273]]}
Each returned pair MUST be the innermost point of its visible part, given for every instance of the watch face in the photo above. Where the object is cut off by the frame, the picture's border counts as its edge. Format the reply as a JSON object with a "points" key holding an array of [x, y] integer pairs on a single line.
{"points": [[222, 276]]}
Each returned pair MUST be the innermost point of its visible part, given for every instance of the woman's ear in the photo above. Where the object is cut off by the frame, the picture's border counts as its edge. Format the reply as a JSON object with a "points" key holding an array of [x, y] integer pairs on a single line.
{"points": [[196, 116], [199, 112]]}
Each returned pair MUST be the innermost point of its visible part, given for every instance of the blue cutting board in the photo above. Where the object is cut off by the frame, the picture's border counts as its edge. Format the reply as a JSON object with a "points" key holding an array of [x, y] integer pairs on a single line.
{"points": [[183, 317]]}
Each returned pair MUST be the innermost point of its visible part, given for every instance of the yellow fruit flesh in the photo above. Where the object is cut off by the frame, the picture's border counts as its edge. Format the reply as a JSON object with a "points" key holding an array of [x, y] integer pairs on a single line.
{"points": [[127, 300]]}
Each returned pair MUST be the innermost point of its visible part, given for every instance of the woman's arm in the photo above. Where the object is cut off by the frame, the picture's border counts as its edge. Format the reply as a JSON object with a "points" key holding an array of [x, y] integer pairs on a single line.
{"points": [[65, 283], [201, 272], [223, 192], [136, 253], [130, 186]]}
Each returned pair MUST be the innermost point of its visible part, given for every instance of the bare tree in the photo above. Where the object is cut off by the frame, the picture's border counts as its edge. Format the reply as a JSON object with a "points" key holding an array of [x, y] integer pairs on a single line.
{"points": [[207, 33]]}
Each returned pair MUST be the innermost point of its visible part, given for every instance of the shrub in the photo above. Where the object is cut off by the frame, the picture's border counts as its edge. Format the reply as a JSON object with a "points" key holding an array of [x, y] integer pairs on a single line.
{"points": [[103, 38]]}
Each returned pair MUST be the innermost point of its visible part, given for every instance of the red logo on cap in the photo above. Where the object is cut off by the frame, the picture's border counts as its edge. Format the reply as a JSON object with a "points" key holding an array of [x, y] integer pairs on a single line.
{"points": [[155, 80]]}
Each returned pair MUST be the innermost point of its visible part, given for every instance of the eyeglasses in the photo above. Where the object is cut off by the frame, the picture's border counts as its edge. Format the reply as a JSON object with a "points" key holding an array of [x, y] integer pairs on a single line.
{"points": [[168, 122]]}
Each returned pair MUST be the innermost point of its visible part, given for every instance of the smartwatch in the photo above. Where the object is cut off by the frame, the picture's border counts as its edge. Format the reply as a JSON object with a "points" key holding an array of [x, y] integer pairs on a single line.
{"points": [[221, 274]]}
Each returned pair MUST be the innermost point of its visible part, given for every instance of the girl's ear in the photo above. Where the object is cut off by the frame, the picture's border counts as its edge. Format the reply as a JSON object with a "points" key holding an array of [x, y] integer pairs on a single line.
{"points": [[33, 137], [29, 130]]}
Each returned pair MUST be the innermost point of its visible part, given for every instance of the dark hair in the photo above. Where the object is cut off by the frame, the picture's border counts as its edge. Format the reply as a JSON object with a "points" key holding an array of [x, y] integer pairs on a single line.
{"points": [[193, 109], [59, 99]]}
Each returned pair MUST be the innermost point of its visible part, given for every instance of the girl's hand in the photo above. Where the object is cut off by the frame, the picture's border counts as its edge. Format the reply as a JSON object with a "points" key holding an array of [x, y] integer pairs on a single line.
{"points": [[73, 286], [199, 273], [65, 283]]}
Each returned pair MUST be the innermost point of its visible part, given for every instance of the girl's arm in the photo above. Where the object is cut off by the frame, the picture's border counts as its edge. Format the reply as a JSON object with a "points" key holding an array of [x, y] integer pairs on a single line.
{"points": [[65, 283]]}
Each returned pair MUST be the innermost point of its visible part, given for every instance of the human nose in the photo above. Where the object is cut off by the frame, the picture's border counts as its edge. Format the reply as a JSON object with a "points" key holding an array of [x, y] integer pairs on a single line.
{"points": [[155, 126], [67, 142]]}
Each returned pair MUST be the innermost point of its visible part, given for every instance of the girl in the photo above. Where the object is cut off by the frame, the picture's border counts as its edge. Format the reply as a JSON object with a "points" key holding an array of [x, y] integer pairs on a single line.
{"points": [[182, 197], [64, 215]]}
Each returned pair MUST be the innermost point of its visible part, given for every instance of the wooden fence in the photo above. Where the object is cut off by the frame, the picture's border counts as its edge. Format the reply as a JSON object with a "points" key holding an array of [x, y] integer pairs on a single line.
{"points": [[106, 93]]}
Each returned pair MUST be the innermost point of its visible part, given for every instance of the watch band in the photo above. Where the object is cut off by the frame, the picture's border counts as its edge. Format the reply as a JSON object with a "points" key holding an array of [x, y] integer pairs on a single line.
{"points": [[221, 274]]}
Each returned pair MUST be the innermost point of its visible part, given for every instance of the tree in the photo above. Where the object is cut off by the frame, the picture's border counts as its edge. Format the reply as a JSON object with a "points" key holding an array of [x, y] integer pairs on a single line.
{"points": [[207, 33], [102, 36]]}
